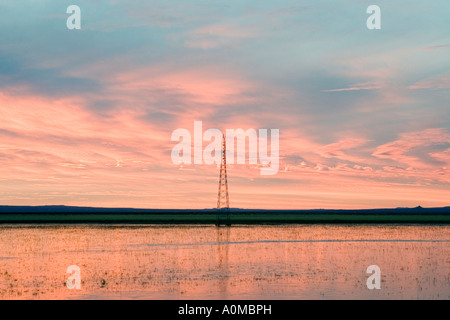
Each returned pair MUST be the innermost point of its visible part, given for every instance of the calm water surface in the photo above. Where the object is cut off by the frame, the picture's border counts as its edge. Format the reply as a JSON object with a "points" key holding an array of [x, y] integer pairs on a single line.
{"points": [[241, 262]]}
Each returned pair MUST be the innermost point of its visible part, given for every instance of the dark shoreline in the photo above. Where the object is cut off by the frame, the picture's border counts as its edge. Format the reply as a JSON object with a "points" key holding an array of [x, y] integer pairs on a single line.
{"points": [[77, 215]]}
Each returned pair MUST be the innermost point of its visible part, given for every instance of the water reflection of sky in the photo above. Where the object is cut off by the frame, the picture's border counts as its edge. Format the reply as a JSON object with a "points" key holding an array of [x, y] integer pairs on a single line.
{"points": [[254, 262]]}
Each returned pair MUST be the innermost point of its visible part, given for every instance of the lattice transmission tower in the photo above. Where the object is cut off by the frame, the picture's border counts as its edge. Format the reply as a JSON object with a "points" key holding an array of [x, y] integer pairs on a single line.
{"points": [[223, 199]]}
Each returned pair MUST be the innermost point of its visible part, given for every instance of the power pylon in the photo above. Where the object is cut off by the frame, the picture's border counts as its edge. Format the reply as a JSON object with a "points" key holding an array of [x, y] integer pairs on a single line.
{"points": [[223, 199]]}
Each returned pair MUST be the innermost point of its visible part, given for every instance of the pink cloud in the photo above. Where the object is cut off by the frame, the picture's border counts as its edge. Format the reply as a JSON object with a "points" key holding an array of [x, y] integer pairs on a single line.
{"points": [[441, 81], [443, 156], [208, 85], [400, 149], [337, 149], [65, 152]]}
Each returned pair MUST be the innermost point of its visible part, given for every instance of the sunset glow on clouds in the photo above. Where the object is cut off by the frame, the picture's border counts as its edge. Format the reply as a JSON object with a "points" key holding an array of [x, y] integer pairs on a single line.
{"points": [[87, 115]]}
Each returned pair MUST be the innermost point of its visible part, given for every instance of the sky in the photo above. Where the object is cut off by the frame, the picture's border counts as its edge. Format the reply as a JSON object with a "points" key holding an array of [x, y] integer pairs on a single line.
{"points": [[87, 115]]}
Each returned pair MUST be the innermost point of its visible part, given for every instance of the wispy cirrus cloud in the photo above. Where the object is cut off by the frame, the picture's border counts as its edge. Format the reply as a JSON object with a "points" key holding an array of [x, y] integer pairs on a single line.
{"points": [[402, 150], [357, 87], [436, 47], [441, 81], [338, 149]]}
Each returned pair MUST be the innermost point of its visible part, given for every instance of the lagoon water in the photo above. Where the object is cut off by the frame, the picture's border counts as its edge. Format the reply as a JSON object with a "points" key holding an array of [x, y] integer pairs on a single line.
{"points": [[240, 262]]}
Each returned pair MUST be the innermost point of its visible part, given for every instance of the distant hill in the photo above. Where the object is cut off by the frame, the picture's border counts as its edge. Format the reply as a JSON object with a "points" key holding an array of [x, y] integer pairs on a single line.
{"points": [[67, 214], [74, 209]]}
